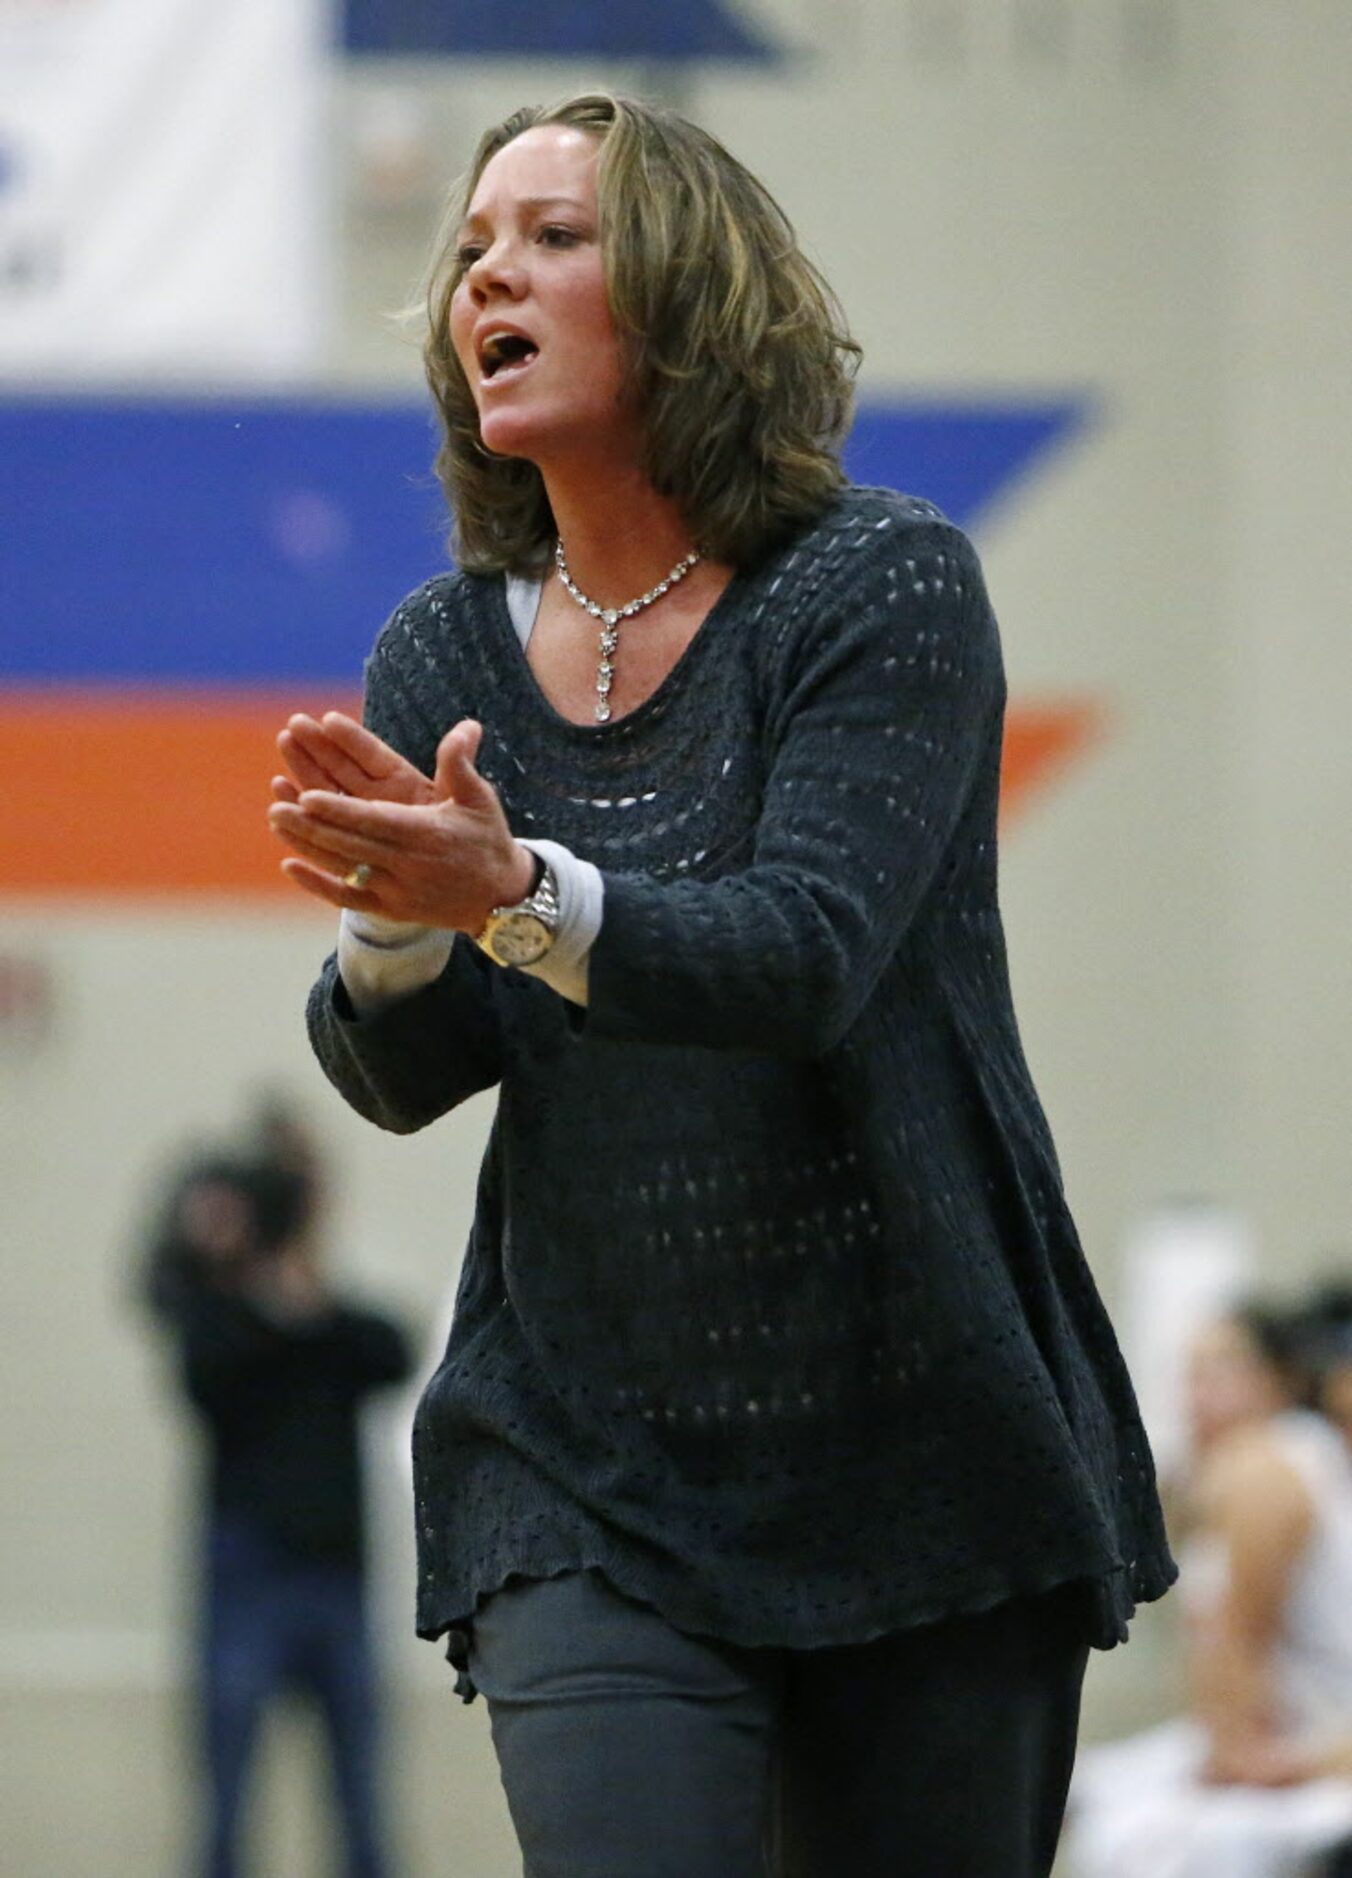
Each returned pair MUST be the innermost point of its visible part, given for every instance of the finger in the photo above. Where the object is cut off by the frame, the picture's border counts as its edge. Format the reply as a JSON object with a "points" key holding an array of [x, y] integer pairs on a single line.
{"points": [[375, 817], [301, 763], [361, 746], [327, 765], [338, 848], [298, 763], [457, 778], [284, 790], [391, 775], [361, 885], [317, 856], [328, 887]]}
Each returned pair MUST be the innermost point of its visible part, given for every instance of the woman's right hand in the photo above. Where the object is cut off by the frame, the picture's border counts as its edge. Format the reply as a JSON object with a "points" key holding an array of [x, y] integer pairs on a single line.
{"points": [[337, 753]]}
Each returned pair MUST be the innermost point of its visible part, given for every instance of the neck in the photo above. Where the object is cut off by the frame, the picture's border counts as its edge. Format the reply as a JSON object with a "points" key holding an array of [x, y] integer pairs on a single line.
{"points": [[619, 535]]}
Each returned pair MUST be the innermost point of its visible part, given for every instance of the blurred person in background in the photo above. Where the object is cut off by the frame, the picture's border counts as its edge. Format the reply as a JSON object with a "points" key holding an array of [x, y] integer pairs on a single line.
{"points": [[1335, 1378], [1332, 1314], [782, 1446], [1255, 1781], [1329, 1337], [277, 1368]]}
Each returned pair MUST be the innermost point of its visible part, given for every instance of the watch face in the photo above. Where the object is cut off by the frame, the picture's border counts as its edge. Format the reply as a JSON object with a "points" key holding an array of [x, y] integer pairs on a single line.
{"points": [[520, 940]]}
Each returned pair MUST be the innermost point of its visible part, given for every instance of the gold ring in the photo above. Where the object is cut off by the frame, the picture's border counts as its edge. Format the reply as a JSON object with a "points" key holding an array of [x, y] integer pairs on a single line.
{"points": [[359, 877]]}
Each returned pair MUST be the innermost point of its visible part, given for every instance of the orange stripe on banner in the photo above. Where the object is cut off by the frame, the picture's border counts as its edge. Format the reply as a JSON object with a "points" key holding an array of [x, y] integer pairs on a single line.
{"points": [[137, 794], [129, 793], [1041, 742]]}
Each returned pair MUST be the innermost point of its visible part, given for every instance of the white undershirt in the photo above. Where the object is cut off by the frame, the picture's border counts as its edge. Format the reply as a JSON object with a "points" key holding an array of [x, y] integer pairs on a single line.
{"points": [[383, 960]]}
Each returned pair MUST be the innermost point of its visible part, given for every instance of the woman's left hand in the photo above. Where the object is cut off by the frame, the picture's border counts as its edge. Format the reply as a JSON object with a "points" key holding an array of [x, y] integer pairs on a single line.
{"points": [[447, 862], [337, 753]]}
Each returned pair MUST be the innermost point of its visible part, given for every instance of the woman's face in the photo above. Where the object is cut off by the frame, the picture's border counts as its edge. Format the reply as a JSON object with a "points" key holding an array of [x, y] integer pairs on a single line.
{"points": [[530, 318], [217, 1219], [1230, 1382]]}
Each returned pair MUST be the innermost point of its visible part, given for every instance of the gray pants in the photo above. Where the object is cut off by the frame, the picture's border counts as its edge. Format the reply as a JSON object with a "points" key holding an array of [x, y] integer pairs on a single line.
{"points": [[630, 1749]]}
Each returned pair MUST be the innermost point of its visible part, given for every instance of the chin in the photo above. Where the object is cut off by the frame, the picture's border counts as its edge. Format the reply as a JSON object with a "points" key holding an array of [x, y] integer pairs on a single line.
{"points": [[507, 434]]}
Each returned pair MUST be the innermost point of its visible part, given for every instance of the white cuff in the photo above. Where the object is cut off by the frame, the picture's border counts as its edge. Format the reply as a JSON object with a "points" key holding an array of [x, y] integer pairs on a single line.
{"points": [[581, 907], [382, 960]]}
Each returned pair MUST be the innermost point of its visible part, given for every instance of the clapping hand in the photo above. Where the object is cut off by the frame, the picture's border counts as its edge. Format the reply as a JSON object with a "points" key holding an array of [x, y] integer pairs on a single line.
{"points": [[370, 832], [337, 754]]}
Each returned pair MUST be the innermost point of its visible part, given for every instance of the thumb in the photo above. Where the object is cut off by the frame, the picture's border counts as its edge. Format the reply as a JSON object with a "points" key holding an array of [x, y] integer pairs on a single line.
{"points": [[457, 779]]}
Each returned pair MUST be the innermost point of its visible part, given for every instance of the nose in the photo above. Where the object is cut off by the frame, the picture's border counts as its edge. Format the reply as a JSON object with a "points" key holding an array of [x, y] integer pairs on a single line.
{"points": [[496, 270]]}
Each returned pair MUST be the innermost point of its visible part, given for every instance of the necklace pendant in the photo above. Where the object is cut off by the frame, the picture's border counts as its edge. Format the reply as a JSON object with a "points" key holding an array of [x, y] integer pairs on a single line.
{"points": [[610, 617]]}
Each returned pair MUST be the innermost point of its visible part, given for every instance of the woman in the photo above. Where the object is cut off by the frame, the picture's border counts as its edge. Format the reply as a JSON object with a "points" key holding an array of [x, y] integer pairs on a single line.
{"points": [[1256, 1780], [780, 1431]]}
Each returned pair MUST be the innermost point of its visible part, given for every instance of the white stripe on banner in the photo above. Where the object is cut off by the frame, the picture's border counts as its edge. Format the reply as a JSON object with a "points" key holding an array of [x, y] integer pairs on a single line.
{"points": [[162, 203]]}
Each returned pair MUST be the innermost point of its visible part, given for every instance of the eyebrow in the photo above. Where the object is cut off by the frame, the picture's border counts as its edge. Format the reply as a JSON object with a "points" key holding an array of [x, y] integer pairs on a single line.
{"points": [[532, 203]]}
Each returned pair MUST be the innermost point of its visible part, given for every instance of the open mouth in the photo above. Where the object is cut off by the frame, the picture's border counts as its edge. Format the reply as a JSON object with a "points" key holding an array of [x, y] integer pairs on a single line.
{"points": [[503, 355]]}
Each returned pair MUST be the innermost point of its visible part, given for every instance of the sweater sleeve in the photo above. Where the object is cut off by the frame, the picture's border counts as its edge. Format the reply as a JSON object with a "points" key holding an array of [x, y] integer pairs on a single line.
{"points": [[365, 1349], [887, 701], [407, 1062]]}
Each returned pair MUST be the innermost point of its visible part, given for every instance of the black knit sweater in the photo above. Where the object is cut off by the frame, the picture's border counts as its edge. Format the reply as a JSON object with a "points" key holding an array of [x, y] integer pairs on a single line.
{"points": [[772, 1309]]}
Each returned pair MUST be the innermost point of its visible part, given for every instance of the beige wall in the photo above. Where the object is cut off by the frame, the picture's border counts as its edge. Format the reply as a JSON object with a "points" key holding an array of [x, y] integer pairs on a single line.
{"points": [[1288, 410], [1167, 230]]}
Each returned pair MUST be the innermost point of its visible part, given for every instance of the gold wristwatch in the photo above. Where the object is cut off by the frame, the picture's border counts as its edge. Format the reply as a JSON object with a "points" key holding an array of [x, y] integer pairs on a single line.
{"points": [[521, 934]]}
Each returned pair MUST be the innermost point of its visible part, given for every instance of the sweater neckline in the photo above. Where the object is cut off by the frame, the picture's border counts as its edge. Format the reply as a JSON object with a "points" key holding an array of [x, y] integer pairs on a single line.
{"points": [[515, 652]]}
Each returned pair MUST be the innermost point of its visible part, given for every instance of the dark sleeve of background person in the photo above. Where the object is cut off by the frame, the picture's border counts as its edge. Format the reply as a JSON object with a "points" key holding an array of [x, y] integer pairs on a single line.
{"points": [[280, 1401], [236, 1353], [372, 1349]]}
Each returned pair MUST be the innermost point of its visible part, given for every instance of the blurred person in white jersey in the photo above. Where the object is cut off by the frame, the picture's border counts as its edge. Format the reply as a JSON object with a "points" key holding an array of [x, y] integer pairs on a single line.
{"points": [[1255, 1780]]}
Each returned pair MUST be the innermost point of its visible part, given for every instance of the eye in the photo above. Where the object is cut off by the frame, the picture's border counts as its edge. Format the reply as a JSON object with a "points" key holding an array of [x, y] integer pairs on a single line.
{"points": [[555, 235], [467, 254]]}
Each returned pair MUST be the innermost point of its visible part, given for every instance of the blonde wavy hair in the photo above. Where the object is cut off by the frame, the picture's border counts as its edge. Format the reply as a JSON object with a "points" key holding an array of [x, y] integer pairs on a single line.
{"points": [[739, 352]]}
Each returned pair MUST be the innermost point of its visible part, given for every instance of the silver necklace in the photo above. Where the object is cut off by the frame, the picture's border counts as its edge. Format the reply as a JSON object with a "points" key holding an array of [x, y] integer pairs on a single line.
{"points": [[610, 617]]}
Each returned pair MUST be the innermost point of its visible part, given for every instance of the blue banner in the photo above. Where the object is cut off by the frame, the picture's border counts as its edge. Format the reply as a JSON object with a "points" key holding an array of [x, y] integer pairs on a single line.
{"points": [[219, 543], [556, 29]]}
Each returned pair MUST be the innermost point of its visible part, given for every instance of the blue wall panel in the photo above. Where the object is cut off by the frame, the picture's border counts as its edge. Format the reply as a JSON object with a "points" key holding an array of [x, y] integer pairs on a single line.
{"points": [[619, 29], [164, 543]]}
